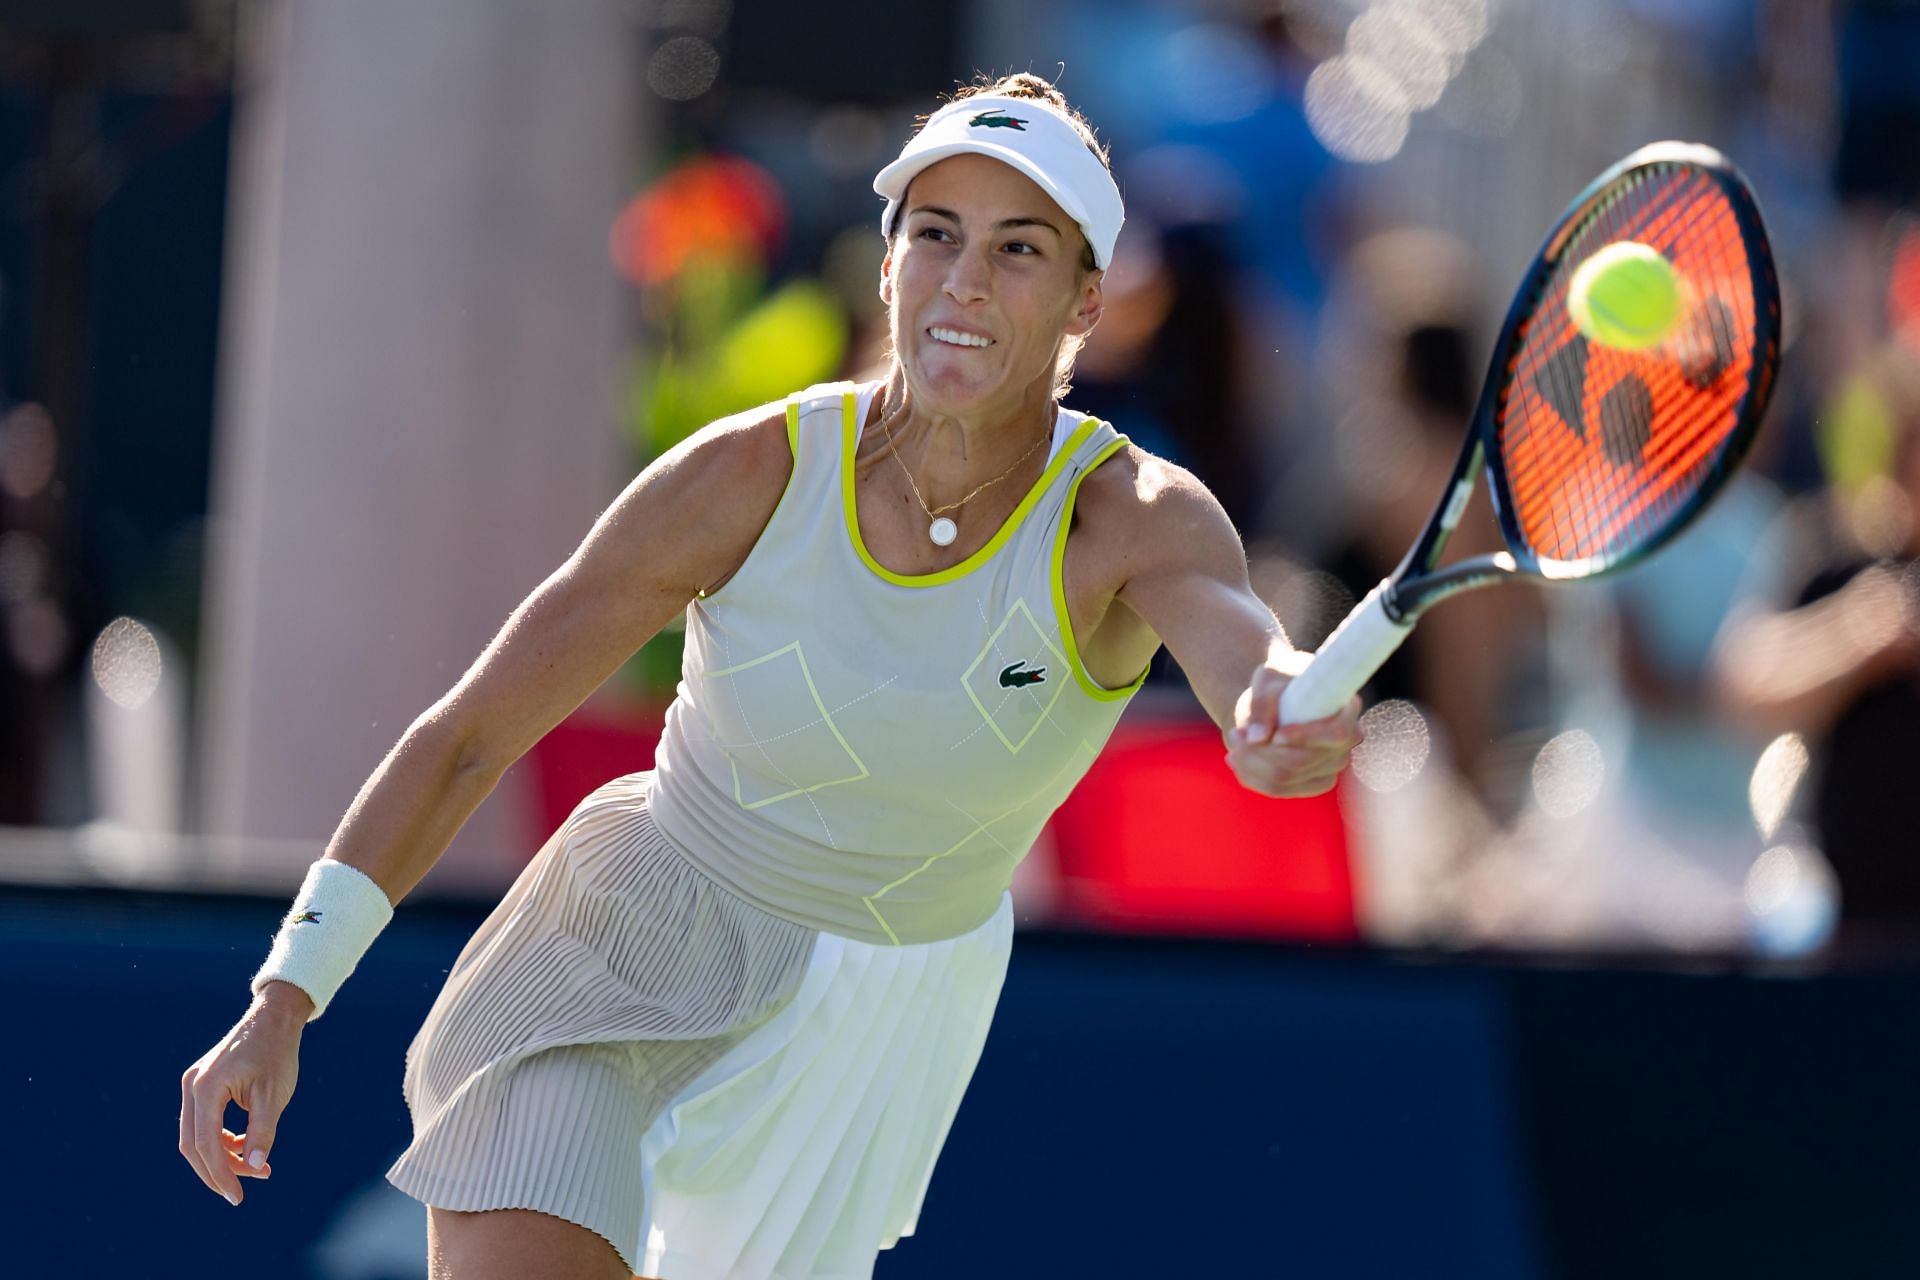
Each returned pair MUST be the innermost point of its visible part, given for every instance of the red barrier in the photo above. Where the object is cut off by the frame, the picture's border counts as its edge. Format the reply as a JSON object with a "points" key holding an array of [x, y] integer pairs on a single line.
{"points": [[1160, 837], [1157, 838], [583, 751]]}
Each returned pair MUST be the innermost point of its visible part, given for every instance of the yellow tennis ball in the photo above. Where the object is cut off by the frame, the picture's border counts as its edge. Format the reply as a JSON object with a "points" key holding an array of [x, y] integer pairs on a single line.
{"points": [[1626, 295]]}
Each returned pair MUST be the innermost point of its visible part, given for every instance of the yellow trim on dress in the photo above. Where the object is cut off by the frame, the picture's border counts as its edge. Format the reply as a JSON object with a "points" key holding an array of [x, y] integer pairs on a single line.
{"points": [[849, 440], [1058, 573]]}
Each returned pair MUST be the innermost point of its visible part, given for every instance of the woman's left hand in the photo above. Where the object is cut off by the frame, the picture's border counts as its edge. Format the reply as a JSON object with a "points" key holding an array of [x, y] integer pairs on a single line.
{"points": [[1291, 759]]}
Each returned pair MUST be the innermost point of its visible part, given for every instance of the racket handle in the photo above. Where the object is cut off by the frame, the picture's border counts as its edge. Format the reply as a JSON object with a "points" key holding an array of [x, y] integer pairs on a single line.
{"points": [[1344, 662]]}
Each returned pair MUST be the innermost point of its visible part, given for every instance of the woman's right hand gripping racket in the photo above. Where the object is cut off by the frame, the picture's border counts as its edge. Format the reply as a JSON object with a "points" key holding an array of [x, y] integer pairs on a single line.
{"points": [[1595, 454]]}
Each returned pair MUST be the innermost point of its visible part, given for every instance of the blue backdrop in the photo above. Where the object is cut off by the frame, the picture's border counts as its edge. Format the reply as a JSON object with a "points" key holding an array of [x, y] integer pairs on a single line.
{"points": [[1209, 1109]]}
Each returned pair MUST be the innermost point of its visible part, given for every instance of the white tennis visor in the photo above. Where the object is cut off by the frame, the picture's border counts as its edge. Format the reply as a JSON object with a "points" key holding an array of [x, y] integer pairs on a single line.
{"points": [[1031, 137]]}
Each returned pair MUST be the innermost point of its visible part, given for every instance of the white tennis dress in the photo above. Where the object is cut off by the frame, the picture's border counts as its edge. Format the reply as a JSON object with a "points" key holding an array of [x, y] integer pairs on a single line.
{"points": [[726, 1015]]}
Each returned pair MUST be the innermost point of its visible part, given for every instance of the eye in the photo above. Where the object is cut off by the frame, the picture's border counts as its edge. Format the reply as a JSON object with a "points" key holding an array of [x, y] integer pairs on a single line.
{"points": [[937, 234], [1022, 248]]}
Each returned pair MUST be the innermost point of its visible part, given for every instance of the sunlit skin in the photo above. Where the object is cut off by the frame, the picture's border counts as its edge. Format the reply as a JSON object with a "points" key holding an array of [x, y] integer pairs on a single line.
{"points": [[983, 251]]}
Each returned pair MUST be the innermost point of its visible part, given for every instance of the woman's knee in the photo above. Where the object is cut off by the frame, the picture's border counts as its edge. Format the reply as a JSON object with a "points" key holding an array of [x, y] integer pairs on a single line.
{"points": [[510, 1244]]}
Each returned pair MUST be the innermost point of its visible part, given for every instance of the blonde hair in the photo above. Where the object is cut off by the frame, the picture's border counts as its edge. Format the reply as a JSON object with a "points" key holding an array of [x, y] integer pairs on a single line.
{"points": [[1029, 87]]}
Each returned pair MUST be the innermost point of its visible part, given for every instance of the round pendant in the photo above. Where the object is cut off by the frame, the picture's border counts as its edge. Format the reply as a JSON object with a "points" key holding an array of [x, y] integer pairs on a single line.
{"points": [[943, 531]]}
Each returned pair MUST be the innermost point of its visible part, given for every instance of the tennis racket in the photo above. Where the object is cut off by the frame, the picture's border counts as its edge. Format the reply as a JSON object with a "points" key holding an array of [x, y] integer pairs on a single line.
{"points": [[1595, 456]]}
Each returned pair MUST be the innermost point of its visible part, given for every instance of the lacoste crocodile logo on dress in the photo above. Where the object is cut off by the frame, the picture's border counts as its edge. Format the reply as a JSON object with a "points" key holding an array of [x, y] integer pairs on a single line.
{"points": [[307, 917], [995, 120], [1012, 677]]}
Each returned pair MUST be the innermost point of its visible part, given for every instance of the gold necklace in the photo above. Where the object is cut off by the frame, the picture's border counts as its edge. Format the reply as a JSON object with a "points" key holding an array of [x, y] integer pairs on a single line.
{"points": [[942, 530]]}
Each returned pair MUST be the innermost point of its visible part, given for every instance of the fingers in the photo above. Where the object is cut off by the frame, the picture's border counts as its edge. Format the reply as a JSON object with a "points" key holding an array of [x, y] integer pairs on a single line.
{"points": [[255, 1067], [236, 1146], [1260, 705], [1294, 760], [209, 1159], [188, 1150], [1256, 714], [1340, 730], [1288, 786], [263, 1121], [1277, 770], [196, 1106]]}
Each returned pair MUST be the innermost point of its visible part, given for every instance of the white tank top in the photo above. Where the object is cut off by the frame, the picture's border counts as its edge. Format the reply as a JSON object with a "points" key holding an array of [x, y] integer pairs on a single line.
{"points": [[870, 753]]}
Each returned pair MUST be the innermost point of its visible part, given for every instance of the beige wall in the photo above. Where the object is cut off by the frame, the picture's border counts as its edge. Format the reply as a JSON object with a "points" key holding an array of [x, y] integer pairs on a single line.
{"points": [[419, 380]]}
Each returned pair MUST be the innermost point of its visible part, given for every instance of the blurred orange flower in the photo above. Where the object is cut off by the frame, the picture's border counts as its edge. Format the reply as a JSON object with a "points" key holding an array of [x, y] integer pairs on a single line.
{"points": [[711, 209]]}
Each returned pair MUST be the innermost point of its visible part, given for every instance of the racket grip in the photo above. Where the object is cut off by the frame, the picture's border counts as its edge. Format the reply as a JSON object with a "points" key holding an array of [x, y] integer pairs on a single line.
{"points": [[1345, 661]]}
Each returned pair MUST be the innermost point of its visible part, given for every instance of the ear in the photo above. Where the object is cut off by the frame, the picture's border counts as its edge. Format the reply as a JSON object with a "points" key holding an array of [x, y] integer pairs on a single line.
{"points": [[1089, 307], [886, 278]]}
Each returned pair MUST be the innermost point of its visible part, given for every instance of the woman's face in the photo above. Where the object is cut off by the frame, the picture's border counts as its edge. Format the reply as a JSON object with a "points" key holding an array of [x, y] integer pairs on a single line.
{"points": [[982, 281]]}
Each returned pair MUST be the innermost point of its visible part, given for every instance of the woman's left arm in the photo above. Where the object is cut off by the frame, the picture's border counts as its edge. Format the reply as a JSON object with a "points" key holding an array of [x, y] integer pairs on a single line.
{"points": [[1187, 580]]}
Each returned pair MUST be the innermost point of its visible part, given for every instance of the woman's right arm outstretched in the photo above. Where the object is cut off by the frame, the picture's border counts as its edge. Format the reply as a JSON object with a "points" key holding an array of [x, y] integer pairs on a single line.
{"points": [[682, 527]]}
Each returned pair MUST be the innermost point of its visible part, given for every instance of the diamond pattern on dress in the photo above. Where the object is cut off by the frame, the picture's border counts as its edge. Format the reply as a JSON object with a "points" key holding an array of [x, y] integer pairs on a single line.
{"points": [[796, 747], [1016, 678]]}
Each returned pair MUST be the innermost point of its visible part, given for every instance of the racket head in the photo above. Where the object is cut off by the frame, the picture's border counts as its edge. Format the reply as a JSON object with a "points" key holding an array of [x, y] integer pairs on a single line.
{"points": [[1597, 456]]}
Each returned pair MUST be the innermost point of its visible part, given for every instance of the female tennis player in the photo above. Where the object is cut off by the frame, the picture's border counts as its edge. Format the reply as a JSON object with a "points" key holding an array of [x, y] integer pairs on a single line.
{"points": [[720, 1025]]}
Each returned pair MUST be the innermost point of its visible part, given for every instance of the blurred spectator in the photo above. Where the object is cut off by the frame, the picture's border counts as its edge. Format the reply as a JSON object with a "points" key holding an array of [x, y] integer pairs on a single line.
{"points": [[1835, 656]]}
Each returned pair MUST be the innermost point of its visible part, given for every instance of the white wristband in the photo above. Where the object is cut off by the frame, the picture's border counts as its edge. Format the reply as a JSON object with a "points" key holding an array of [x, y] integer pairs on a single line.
{"points": [[335, 917]]}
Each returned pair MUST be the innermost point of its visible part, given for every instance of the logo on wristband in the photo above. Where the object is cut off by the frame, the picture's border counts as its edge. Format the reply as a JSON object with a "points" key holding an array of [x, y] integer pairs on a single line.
{"points": [[306, 917]]}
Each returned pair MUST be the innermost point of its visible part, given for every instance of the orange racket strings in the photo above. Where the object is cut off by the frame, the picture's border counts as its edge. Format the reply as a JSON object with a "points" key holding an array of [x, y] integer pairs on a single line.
{"points": [[1604, 448]]}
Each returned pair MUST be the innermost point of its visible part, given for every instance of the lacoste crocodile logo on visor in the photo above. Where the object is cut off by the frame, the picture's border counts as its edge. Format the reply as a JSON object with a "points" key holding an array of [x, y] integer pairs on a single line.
{"points": [[1012, 677], [995, 120]]}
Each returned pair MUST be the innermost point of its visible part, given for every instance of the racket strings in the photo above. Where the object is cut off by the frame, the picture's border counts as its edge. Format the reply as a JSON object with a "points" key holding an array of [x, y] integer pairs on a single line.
{"points": [[1693, 419], [1560, 451], [1604, 449], [1647, 495], [1542, 452]]}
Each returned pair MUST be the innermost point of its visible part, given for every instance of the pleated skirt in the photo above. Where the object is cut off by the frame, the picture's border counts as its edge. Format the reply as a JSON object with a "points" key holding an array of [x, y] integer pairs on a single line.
{"points": [[719, 1093]]}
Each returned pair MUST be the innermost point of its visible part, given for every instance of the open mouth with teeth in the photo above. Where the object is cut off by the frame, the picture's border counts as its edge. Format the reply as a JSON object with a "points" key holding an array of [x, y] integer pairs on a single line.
{"points": [[956, 338]]}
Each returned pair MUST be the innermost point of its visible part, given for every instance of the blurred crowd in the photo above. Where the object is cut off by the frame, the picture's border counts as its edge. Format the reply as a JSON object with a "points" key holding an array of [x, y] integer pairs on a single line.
{"points": [[1328, 203]]}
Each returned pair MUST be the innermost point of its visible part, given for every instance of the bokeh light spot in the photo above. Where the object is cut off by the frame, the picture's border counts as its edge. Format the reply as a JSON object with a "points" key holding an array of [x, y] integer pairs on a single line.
{"points": [[1776, 778], [1457, 26], [1792, 901], [126, 662], [1399, 40], [683, 68], [1771, 879], [1356, 110], [1396, 746], [1567, 773]]}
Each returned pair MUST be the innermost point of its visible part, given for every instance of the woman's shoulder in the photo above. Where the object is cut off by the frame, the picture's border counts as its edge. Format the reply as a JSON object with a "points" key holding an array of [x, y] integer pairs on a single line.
{"points": [[1139, 491], [760, 438], [729, 474], [748, 446], [1138, 513]]}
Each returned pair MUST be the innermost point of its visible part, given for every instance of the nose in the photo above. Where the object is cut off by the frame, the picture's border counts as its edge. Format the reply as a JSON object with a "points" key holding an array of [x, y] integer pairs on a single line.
{"points": [[967, 276]]}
